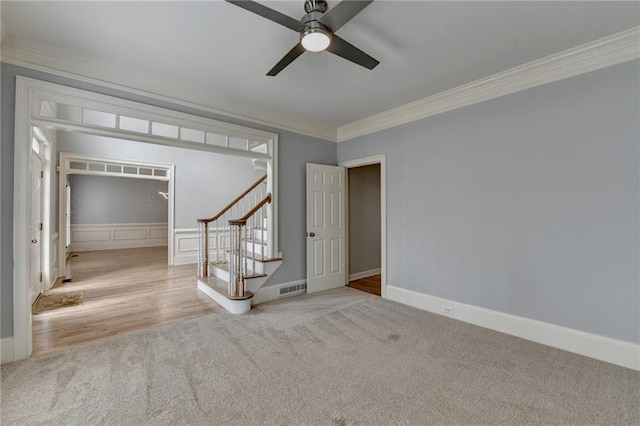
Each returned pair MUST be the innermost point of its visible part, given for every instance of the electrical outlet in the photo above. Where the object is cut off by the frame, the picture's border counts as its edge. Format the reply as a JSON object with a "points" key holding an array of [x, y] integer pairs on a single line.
{"points": [[447, 310]]}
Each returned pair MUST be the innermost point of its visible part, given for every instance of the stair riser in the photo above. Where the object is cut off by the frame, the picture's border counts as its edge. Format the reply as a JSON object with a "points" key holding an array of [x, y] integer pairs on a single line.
{"points": [[233, 306], [260, 234], [252, 284], [224, 274], [254, 248]]}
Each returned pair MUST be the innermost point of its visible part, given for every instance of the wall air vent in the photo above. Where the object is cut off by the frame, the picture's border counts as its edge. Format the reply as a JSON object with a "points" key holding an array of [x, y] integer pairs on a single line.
{"points": [[293, 290]]}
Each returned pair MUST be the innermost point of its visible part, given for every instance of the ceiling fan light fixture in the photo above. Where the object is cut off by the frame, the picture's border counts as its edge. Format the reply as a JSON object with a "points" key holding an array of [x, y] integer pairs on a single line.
{"points": [[315, 39]]}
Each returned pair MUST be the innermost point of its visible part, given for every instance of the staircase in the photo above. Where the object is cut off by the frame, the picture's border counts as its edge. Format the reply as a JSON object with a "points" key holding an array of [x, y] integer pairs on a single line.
{"points": [[235, 256]]}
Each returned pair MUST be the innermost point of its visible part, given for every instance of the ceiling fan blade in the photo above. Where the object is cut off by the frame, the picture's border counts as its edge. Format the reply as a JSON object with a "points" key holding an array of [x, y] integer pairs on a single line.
{"points": [[348, 51], [288, 58], [272, 15], [342, 13]]}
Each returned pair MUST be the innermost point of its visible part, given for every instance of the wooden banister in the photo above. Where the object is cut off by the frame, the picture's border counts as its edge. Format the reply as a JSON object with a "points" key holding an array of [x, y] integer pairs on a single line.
{"points": [[243, 220], [236, 200]]}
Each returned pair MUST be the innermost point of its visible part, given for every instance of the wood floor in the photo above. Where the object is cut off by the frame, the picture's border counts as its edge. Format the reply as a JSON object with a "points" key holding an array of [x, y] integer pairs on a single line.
{"points": [[372, 284], [124, 291]]}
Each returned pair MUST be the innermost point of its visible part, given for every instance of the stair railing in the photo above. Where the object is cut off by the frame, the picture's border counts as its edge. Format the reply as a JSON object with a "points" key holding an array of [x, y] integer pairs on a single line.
{"points": [[242, 260], [218, 227]]}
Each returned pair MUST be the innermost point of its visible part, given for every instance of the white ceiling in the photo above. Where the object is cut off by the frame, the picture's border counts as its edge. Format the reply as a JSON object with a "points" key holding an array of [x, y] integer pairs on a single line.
{"points": [[224, 51]]}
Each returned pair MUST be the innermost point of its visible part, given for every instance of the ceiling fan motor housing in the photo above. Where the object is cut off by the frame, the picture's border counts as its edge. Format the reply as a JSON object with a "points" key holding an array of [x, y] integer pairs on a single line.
{"points": [[315, 6]]}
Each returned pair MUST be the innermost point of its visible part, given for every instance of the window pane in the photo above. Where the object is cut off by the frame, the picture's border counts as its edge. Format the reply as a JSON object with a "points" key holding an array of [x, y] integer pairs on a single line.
{"points": [[134, 124], [191, 135], [98, 118], [35, 146], [166, 130], [238, 143], [216, 139], [96, 167], [78, 165]]}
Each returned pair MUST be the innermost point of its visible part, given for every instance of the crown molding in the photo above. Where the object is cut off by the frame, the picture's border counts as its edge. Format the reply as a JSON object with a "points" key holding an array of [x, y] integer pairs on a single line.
{"points": [[143, 84], [608, 51]]}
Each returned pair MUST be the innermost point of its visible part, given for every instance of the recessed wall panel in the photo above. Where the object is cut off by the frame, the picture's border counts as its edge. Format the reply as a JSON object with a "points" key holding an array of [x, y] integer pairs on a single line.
{"points": [[318, 209], [335, 254], [319, 255]]}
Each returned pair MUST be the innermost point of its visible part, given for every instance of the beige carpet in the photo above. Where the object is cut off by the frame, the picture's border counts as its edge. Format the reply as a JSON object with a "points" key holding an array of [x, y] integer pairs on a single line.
{"points": [[338, 357], [53, 301]]}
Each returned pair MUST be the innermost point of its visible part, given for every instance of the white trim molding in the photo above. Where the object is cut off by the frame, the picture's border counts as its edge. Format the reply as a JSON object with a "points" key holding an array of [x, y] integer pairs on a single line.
{"points": [[6, 350], [606, 349], [28, 112], [366, 161], [112, 236], [605, 52], [108, 75], [364, 274]]}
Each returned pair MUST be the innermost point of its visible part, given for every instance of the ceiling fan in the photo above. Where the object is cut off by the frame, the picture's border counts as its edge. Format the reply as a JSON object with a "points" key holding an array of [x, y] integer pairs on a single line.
{"points": [[317, 30]]}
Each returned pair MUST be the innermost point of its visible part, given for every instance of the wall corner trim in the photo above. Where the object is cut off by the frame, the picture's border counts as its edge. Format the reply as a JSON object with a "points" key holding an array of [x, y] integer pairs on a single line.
{"points": [[605, 52], [606, 349]]}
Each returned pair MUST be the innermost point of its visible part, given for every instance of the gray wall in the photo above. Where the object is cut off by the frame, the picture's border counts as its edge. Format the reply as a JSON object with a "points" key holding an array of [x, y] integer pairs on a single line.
{"points": [[364, 218], [110, 200], [526, 204], [205, 182], [294, 152]]}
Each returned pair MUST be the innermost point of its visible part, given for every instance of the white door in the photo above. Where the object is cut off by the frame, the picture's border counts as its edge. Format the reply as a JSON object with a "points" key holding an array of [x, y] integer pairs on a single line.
{"points": [[35, 284], [325, 227]]}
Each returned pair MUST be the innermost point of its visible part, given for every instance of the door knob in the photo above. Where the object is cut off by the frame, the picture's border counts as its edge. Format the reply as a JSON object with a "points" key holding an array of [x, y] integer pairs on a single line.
{"points": [[312, 234], [34, 241]]}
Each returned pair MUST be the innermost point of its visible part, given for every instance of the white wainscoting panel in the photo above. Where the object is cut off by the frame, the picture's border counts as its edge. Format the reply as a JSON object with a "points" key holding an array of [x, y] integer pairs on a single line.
{"points": [[117, 236], [606, 349], [185, 244]]}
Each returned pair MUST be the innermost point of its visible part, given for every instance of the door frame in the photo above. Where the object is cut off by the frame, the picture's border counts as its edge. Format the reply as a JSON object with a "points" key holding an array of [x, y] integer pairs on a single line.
{"points": [[67, 157], [30, 108], [367, 161], [32, 214]]}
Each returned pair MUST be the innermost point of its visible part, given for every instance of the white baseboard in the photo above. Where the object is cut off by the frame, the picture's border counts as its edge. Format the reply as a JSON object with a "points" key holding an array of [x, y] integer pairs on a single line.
{"points": [[118, 236], [606, 349], [6, 350], [364, 274], [53, 276], [272, 292]]}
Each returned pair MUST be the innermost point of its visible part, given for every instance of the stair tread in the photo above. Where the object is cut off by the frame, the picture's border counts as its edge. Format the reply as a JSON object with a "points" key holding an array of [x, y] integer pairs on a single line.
{"points": [[225, 267], [259, 258], [221, 286]]}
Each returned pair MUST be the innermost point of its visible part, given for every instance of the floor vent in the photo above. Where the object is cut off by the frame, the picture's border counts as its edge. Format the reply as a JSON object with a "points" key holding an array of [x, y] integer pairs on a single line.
{"points": [[293, 289]]}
